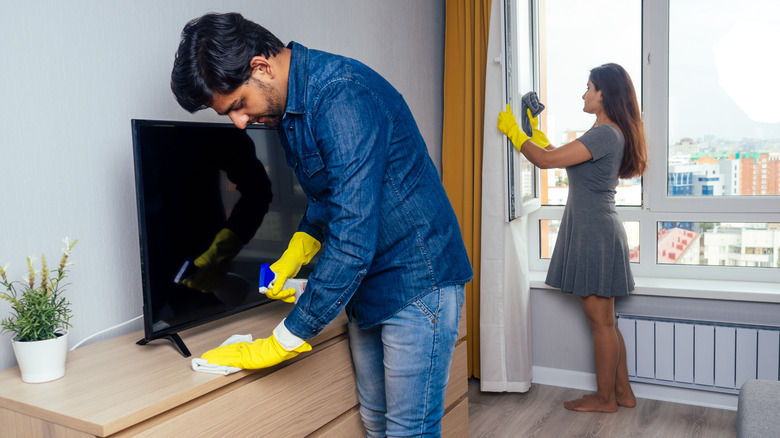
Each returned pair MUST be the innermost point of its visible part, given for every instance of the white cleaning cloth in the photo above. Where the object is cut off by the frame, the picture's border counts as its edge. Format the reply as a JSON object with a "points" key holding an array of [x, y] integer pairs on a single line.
{"points": [[203, 365]]}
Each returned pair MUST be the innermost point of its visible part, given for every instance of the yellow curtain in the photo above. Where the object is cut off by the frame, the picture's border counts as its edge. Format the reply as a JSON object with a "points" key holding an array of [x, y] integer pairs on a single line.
{"points": [[465, 51]]}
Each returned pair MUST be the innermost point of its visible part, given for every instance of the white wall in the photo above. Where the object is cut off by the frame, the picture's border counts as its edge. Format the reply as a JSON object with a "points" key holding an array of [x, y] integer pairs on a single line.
{"points": [[73, 74]]}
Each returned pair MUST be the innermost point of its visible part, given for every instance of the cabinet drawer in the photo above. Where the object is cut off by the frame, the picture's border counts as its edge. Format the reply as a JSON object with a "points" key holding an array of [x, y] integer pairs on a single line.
{"points": [[15, 424], [349, 425], [292, 401], [455, 423]]}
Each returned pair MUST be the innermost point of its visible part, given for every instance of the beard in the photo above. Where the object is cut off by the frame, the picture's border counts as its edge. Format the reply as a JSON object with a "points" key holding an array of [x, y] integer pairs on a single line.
{"points": [[276, 104]]}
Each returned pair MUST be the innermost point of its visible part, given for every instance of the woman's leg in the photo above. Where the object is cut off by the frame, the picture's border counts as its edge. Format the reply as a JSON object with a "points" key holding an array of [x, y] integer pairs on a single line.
{"points": [[623, 392], [600, 312]]}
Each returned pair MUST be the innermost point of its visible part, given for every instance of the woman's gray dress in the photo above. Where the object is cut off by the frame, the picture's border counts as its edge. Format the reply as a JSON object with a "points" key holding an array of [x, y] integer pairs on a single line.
{"points": [[591, 251]]}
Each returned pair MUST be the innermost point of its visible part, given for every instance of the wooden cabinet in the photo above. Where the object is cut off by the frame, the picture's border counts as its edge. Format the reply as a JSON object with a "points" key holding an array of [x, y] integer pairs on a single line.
{"points": [[119, 389]]}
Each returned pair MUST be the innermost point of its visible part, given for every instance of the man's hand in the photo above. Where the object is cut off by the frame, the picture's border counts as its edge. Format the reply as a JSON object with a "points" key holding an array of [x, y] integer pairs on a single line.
{"points": [[300, 251], [262, 353]]}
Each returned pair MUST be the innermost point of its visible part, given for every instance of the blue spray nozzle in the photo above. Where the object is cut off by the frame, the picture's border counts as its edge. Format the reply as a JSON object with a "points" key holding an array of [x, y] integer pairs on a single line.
{"points": [[266, 275]]}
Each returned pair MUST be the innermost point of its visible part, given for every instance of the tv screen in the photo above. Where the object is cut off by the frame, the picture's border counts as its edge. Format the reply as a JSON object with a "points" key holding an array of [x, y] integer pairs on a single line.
{"points": [[194, 180]]}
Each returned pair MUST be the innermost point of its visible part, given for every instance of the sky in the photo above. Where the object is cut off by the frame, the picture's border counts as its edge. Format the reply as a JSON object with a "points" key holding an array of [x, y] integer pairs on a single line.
{"points": [[723, 63]]}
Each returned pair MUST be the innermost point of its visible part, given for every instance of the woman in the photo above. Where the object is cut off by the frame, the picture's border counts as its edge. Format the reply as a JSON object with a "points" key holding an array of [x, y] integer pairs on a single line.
{"points": [[591, 256]]}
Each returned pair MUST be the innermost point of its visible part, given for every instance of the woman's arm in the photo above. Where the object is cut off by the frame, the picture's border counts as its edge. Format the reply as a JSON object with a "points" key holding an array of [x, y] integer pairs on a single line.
{"points": [[537, 148], [555, 157]]}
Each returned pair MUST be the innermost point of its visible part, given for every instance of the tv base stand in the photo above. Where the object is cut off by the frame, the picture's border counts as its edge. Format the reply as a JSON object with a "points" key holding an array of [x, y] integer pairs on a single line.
{"points": [[175, 338]]}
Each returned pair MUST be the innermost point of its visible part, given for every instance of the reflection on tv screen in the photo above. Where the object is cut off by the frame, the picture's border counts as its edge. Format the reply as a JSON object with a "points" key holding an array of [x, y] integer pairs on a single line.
{"points": [[205, 220]]}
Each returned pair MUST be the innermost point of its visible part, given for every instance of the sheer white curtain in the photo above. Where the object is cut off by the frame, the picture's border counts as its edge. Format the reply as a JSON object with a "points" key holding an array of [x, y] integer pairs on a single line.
{"points": [[505, 319]]}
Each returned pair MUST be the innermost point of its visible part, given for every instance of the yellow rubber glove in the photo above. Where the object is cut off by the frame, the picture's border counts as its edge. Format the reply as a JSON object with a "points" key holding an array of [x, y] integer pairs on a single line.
{"points": [[508, 125], [300, 251], [539, 137], [213, 264], [262, 353]]}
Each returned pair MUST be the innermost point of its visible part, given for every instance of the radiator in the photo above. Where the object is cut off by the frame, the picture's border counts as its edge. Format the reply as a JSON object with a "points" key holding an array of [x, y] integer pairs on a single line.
{"points": [[714, 356]]}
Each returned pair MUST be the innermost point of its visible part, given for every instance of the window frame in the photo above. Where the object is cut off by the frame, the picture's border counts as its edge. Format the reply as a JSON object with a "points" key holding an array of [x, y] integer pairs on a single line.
{"points": [[657, 206], [512, 83], [655, 82]]}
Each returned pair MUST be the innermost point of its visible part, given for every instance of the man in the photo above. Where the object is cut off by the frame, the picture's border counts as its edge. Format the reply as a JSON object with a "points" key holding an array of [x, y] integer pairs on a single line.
{"points": [[392, 250]]}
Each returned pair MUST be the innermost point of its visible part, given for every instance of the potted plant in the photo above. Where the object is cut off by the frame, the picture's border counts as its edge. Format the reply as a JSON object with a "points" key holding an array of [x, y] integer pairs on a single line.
{"points": [[39, 319]]}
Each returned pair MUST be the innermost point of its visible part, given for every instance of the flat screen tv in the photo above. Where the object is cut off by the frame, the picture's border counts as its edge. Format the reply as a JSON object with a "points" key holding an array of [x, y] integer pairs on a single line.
{"points": [[193, 180]]}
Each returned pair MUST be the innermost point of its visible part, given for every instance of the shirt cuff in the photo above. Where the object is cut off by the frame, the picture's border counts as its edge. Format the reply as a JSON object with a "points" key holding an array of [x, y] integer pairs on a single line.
{"points": [[286, 339]]}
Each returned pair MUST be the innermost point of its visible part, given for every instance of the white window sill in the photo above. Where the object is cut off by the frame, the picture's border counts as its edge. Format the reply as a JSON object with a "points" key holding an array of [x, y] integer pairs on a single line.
{"points": [[687, 288]]}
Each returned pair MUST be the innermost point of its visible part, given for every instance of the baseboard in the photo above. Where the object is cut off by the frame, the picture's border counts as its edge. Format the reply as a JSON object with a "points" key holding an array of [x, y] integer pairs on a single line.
{"points": [[587, 382]]}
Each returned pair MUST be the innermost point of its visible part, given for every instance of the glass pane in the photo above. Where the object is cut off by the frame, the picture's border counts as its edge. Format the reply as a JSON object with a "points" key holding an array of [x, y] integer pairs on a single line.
{"points": [[719, 244], [549, 234], [724, 120], [579, 36], [524, 63]]}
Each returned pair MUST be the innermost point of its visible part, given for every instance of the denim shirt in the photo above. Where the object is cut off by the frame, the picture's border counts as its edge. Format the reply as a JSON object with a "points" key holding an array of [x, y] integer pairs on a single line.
{"points": [[388, 231]]}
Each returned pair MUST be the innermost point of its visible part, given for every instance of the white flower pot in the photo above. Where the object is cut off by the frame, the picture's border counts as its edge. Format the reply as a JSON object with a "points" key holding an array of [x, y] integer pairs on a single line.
{"points": [[42, 361]]}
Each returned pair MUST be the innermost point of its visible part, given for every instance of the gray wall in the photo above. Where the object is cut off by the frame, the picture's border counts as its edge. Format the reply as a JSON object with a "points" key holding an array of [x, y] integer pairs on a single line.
{"points": [[562, 338], [74, 73]]}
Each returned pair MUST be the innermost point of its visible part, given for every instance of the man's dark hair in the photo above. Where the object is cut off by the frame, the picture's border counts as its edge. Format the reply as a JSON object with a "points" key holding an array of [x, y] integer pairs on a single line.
{"points": [[214, 55]]}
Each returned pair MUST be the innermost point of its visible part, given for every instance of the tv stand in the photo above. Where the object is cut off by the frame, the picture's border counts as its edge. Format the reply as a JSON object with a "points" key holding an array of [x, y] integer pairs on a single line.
{"points": [[176, 339], [115, 388]]}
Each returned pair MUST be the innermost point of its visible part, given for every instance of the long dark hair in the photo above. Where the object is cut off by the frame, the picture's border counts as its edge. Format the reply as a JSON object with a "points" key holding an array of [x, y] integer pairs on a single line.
{"points": [[620, 105], [214, 55]]}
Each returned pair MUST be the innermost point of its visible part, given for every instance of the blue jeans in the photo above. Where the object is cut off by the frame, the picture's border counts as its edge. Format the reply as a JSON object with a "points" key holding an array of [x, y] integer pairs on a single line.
{"points": [[403, 365]]}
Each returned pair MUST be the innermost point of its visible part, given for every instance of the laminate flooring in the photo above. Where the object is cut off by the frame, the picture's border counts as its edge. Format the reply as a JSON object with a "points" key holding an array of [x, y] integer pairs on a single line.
{"points": [[540, 413]]}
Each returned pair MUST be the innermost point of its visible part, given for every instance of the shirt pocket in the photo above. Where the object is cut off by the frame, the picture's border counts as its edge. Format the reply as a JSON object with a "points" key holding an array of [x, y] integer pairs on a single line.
{"points": [[311, 163], [313, 176]]}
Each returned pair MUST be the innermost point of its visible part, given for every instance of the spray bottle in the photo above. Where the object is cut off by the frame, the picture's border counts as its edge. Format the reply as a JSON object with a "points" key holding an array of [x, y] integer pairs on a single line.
{"points": [[267, 278]]}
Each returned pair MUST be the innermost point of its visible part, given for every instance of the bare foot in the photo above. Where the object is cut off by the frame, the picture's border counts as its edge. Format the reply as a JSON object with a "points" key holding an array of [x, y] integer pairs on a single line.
{"points": [[627, 400], [624, 400], [591, 403]]}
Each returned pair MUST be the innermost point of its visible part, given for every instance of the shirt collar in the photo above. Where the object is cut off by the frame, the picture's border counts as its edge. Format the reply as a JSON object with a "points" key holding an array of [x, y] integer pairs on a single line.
{"points": [[297, 78]]}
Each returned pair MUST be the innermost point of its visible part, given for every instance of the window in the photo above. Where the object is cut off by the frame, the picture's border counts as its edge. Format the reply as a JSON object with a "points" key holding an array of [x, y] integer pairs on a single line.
{"points": [[744, 130], [521, 52], [719, 244], [713, 130], [726, 196], [573, 46]]}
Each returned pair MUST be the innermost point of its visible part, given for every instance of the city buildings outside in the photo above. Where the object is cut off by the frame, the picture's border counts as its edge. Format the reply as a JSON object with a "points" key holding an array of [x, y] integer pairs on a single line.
{"points": [[699, 169]]}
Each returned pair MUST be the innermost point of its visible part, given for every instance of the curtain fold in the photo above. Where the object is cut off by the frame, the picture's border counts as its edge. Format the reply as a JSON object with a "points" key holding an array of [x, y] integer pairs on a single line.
{"points": [[505, 301], [465, 50]]}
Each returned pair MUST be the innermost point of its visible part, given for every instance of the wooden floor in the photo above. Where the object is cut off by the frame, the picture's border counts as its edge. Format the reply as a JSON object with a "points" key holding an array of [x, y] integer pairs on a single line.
{"points": [[540, 413]]}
